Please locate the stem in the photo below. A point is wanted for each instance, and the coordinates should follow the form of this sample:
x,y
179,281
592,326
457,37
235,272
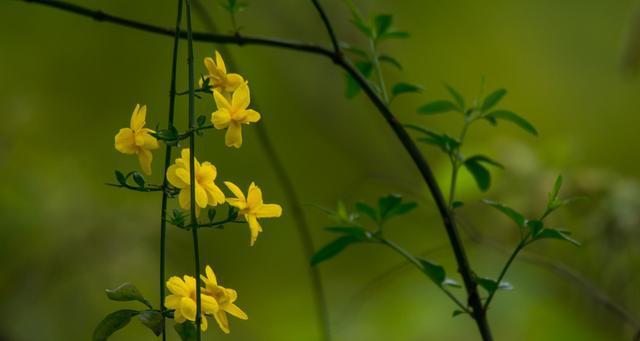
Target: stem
x,y
413,260
506,266
376,65
192,177
322,310
455,163
409,145
167,163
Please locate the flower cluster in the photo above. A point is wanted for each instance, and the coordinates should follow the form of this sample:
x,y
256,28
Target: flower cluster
x,y
137,139
215,300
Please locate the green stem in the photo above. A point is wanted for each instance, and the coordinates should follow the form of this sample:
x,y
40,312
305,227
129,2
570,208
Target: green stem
x,y
192,177
456,163
503,272
376,65
167,163
413,260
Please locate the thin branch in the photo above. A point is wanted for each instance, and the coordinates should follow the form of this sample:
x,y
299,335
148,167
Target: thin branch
x,y
328,26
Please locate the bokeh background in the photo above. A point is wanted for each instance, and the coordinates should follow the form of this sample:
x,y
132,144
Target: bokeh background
x,y
67,84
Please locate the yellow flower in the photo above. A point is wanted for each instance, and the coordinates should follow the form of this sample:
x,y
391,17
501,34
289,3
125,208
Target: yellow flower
x,y
225,298
137,139
218,77
232,115
252,207
183,300
207,192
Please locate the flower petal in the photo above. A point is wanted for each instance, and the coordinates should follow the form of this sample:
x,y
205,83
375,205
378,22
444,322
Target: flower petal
x,y
235,311
184,199
254,196
214,194
207,173
209,304
254,227
251,116
145,157
173,178
125,141
204,324
233,137
221,101
234,81
138,117
201,196
211,276
210,65
268,211
241,98
220,63
221,318
188,308
221,118
235,190
177,286
172,301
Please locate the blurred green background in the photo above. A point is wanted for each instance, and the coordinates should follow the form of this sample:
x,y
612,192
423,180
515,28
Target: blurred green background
x,y
67,84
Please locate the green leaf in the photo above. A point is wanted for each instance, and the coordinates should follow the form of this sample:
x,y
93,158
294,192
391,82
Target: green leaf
x,y
553,195
479,173
387,203
457,204
434,271
493,99
513,118
437,107
457,312
167,134
153,320
508,211
127,292
332,249
491,285
112,323
485,159
390,60
201,120
534,225
403,88
394,34
353,88
382,24
138,179
368,211
120,177
211,213
556,234
356,232
401,209
456,96
187,331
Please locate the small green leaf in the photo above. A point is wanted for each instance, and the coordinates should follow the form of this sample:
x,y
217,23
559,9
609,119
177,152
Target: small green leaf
x,y
167,134
485,159
353,88
434,271
127,292
387,203
332,249
456,96
153,320
508,211
394,34
201,120
513,118
138,179
437,107
556,234
403,88
479,173
457,312
368,211
493,99
401,209
382,24
120,177
187,331
534,225
356,232
491,285
390,60
457,204
553,195
112,323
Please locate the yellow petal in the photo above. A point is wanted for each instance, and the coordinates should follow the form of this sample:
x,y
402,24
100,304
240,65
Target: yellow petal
x,y
220,63
235,311
204,324
211,66
268,211
138,117
125,141
145,140
173,178
214,194
211,276
201,196
231,294
235,190
172,301
220,118
145,157
251,116
241,98
184,174
188,308
221,101
177,286
233,137
184,199
221,318
254,227
178,317
254,196
207,173
234,81
209,304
